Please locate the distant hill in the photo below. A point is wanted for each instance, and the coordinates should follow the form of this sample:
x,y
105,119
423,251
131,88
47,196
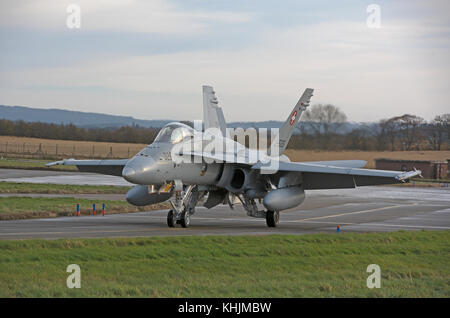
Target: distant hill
x,y
80,119
99,120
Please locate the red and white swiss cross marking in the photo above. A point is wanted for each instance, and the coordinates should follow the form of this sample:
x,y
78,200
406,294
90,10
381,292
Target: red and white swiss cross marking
x,y
294,115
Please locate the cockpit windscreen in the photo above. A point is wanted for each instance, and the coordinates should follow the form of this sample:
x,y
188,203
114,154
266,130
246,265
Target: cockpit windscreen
x,y
174,134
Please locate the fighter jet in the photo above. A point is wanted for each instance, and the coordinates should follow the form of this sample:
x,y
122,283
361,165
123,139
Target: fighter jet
x,y
182,167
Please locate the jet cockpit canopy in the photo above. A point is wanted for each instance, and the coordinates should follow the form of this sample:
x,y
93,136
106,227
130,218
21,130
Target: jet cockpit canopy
x,y
174,133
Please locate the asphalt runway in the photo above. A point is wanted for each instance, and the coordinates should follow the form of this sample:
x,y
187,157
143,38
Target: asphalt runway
x,y
365,209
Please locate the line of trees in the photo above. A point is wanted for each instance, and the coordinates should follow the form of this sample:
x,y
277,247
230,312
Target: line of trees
x,y
126,134
323,127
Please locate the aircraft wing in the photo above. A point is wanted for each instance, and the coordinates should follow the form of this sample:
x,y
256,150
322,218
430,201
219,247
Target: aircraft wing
x,y
339,163
251,157
112,167
319,176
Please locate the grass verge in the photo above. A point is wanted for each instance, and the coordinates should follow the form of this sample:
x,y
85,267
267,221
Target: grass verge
x,y
12,208
413,264
24,187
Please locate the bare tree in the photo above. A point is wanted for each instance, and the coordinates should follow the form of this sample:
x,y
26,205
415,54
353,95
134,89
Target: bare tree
x,y
325,119
439,130
409,130
324,122
388,133
444,122
358,138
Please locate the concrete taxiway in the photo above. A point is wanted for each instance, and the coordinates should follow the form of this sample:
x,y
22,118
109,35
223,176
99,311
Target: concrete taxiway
x,y
364,209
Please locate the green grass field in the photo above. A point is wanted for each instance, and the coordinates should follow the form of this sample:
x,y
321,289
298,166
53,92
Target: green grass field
x,y
413,264
17,187
25,207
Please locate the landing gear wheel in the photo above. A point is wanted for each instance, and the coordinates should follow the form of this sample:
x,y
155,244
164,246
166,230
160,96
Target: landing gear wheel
x,y
272,218
170,219
185,220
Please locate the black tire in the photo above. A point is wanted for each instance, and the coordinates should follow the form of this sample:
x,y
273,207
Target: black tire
x,y
185,220
272,218
170,219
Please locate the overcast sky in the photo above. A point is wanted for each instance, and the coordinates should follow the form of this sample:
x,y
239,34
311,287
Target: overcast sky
x,y
148,59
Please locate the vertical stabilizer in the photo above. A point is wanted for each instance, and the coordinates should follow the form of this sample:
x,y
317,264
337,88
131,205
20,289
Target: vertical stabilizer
x,y
212,113
289,126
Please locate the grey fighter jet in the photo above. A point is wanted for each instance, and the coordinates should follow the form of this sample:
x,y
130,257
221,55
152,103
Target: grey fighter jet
x,y
204,165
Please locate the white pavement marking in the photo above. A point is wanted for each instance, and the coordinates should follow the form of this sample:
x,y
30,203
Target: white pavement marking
x,y
356,212
443,211
380,224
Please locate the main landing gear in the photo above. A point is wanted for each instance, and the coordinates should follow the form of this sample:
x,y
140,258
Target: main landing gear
x,y
272,217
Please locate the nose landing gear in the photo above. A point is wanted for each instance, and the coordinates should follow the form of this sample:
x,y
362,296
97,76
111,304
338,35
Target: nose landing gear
x,y
183,206
171,219
184,220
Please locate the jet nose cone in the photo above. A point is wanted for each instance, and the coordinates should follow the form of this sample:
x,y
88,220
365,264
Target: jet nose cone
x,y
128,173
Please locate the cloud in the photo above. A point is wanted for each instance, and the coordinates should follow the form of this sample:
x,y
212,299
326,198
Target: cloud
x,y
146,16
402,67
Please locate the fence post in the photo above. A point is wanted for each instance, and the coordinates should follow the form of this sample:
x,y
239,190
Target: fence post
x,y
110,152
40,151
73,151
23,150
56,151
6,150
